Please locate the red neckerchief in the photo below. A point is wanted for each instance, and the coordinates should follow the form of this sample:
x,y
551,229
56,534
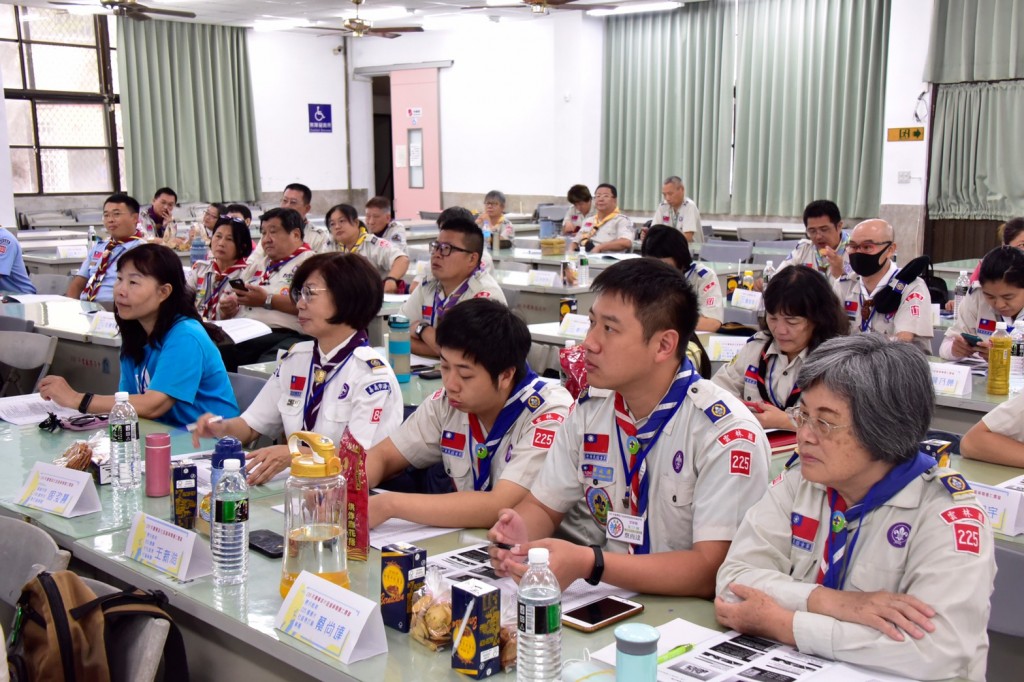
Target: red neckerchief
x,y
278,264
218,281
92,287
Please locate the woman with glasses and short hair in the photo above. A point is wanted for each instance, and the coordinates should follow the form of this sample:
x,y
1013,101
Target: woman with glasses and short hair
x,y
493,218
801,312
334,382
351,236
229,249
866,552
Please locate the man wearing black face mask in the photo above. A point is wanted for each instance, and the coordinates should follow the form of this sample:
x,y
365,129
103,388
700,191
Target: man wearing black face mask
x,y
875,297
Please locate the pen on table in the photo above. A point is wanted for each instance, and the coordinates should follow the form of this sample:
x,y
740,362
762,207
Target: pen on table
x,y
674,652
213,420
503,545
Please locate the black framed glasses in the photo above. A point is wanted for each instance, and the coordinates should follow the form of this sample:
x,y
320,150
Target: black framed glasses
x,y
867,247
445,249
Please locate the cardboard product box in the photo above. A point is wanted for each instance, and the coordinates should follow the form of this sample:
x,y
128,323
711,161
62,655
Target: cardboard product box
x,y
476,613
402,569
939,449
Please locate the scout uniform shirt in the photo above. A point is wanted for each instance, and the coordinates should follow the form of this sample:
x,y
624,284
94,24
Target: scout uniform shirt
x,y
91,264
914,314
277,282
1007,418
931,540
437,432
711,432
504,228
615,226
426,303
760,362
576,219
150,230
380,252
363,395
807,254
210,284
13,275
395,233
686,219
976,316
709,292
319,238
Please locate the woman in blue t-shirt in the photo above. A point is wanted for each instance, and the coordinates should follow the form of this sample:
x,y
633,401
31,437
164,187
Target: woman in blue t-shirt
x,y
168,362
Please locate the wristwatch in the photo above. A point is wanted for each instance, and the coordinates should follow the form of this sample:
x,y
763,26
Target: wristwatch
x,y
418,332
269,303
595,575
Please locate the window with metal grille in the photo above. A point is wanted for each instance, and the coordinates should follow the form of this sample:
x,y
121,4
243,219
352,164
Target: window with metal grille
x,y
62,98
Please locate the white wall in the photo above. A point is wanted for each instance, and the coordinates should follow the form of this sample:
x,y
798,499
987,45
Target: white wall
x,y
290,71
7,217
909,26
505,119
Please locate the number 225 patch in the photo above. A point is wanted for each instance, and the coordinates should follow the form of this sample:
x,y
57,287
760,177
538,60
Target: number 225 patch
x,y
543,438
967,538
739,463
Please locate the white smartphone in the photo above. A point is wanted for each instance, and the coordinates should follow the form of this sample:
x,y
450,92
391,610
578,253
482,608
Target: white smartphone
x,y
601,613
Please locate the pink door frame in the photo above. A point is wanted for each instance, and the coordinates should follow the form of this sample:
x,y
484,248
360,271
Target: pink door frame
x,y
415,106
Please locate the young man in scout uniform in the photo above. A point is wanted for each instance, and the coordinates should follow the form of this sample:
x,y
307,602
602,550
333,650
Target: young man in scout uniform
x,y
94,281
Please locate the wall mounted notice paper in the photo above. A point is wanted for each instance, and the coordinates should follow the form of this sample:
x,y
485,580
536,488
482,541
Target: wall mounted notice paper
x,y
59,490
168,548
331,619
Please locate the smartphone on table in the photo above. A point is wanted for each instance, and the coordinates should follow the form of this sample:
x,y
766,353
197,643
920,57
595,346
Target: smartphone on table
x,y
601,613
267,542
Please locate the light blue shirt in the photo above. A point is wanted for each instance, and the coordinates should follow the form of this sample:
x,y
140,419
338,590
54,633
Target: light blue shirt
x,y
187,367
92,262
13,276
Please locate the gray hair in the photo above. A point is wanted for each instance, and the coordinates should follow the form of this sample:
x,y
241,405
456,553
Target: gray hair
x,y
673,180
888,386
495,195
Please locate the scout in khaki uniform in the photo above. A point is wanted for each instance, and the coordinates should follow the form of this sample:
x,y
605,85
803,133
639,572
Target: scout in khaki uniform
x,y
608,230
678,211
581,208
1000,296
867,552
491,425
380,221
655,468
825,246
350,236
999,436
669,245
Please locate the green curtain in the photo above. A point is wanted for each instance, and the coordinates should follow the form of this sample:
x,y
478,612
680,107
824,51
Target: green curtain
x,y
976,40
810,97
187,110
668,104
977,159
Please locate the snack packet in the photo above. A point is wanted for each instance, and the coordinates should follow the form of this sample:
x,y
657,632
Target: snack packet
x,y
508,641
353,468
432,611
573,361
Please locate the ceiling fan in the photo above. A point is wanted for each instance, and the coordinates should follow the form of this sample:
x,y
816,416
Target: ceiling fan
x,y
359,28
541,6
130,9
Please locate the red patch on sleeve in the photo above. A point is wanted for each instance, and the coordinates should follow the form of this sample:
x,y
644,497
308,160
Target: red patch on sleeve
x,y
548,417
375,419
483,294
967,538
739,463
954,514
543,438
737,434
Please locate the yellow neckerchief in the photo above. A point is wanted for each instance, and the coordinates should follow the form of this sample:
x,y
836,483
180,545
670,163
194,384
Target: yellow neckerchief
x,y
599,223
363,234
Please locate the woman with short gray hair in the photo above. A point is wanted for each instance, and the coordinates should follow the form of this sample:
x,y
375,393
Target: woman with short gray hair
x,y
493,218
860,553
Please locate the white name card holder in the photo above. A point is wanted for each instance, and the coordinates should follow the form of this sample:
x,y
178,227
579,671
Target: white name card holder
x,y
725,348
168,548
59,490
951,379
104,324
1004,505
542,278
574,325
331,619
73,251
746,299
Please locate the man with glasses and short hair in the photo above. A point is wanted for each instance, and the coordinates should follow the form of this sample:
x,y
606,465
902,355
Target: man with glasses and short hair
x,y
158,218
455,276
95,279
608,230
678,210
381,223
825,246
871,249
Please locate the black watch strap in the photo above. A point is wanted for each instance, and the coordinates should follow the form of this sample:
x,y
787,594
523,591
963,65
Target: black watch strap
x,y
595,575
83,406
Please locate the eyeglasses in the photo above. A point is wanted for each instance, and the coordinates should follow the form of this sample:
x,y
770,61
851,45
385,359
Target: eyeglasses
x,y
815,231
492,203
306,293
867,247
445,249
818,426
114,215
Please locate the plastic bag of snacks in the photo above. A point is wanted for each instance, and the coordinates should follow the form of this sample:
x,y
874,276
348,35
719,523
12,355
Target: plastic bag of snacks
x,y
573,361
432,611
353,468
508,637
83,453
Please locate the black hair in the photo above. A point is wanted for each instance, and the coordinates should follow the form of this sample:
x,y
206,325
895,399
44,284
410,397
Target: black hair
x,y
1011,229
578,193
240,235
380,203
487,333
474,235
239,208
122,198
219,207
659,293
163,265
663,241
454,212
307,193
823,207
799,291
1003,264
350,213
290,219
615,192
355,285
165,190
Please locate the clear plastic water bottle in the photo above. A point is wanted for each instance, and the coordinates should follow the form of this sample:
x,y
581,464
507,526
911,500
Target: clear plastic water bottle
x,y
1017,358
399,347
487,237
539,655
769,271
963,285
91,233
583,276
125,470
198,250
229,527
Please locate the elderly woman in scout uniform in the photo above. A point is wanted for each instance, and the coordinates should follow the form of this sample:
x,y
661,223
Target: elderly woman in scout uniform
x,y
230,246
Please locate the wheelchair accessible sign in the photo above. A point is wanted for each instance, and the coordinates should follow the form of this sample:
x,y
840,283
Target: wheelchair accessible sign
x,y
320,118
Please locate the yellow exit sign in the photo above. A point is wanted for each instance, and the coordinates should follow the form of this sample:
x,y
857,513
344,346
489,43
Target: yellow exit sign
x,y
906,134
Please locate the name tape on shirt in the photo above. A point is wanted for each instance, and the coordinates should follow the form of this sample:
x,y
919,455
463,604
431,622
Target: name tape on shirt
x,y
737,434
549,417
378,386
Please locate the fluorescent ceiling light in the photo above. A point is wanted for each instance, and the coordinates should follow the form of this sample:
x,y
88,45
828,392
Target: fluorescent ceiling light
x,y
378,13
635,9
